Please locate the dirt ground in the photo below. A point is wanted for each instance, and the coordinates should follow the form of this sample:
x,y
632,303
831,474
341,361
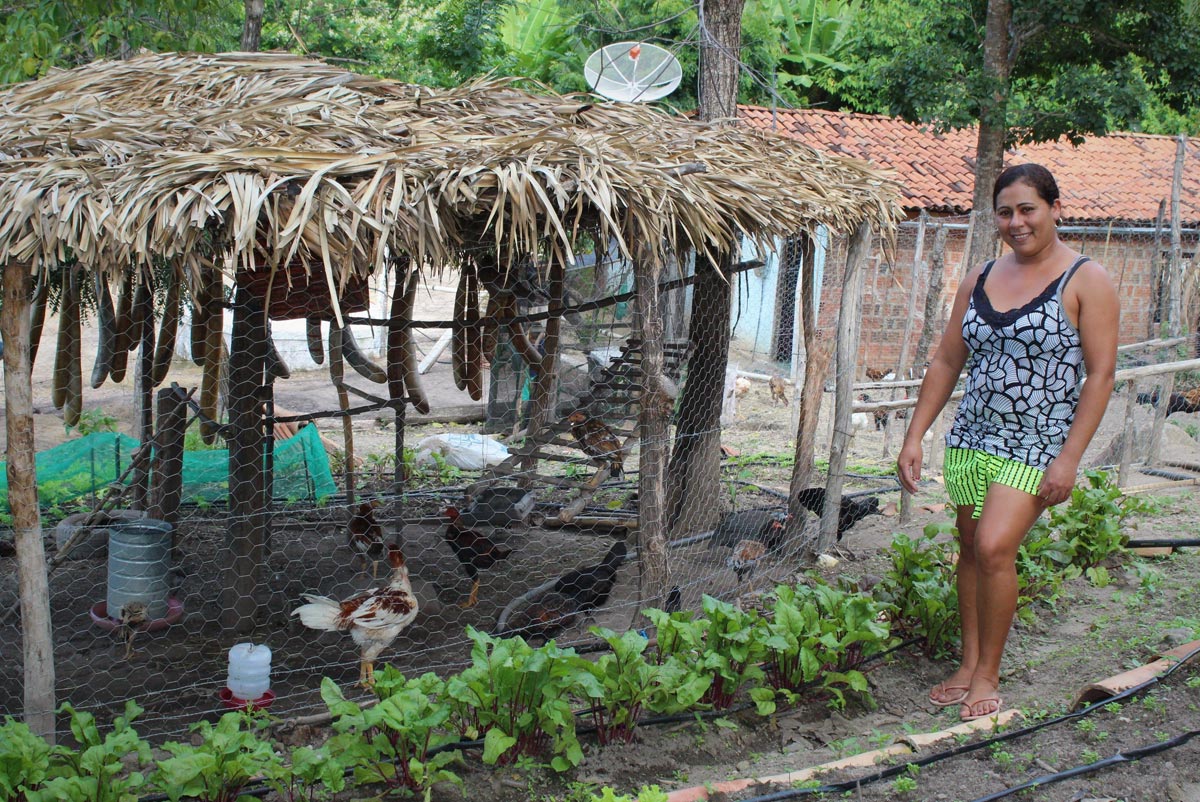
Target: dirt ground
x,y
1093,633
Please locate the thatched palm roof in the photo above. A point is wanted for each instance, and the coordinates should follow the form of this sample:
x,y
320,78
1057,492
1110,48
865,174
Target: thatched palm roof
x,y
244,158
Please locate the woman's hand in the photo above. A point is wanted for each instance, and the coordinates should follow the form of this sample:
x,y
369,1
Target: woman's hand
x,y
908,465
1057,482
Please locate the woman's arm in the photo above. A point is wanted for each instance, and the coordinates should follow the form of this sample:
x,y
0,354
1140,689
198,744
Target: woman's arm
x,y
1098,322
940,378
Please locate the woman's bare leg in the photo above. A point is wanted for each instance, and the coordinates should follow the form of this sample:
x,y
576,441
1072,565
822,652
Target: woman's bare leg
x,y
1008,514
951,687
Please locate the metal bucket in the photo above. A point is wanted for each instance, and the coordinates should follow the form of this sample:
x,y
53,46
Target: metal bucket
x,y
139,555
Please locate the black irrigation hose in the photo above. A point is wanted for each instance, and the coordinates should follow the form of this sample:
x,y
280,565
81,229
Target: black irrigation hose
x,y
1141,542
885,774
1128,756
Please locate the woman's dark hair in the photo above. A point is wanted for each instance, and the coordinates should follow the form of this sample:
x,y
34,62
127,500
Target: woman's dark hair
x,y
1035,175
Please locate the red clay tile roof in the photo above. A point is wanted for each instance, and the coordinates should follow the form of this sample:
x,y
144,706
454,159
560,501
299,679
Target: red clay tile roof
x,y
1120,176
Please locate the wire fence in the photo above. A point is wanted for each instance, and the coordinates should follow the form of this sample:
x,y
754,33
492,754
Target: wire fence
x,y
453,496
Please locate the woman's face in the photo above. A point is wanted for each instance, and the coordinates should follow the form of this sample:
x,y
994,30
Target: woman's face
x,y
1026,222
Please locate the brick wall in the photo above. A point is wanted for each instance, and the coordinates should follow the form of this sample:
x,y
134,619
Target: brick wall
x,y
888,277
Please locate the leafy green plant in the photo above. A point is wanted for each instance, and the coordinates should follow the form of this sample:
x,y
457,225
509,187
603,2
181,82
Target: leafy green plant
x,y
920,589
390,742
621,683
228,756
647,793
820,635
724,646
94,420
24,760
96,771
1094,520
517,699
310,775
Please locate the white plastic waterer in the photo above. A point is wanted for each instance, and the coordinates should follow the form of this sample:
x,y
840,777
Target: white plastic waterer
x,y
249,671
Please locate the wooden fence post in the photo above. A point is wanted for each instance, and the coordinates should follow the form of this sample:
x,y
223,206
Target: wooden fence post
x,y
32,579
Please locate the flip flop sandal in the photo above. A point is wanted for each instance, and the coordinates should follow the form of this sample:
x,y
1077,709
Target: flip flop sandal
x,y
986,701
948,701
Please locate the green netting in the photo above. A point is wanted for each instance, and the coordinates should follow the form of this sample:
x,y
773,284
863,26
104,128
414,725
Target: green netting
x,y
81,467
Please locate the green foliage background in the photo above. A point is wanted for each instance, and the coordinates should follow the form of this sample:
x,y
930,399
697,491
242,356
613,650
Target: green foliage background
x,y
1081,66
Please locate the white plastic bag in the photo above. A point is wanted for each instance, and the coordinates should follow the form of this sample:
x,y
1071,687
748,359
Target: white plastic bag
x,y
467,451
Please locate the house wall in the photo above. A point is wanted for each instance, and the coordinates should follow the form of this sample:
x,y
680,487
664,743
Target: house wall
x,y
885,308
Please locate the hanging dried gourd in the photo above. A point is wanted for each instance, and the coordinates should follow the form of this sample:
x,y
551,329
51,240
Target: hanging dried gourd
x,y
357,359
316,345
37,315
106,323
458,333
473,362
164,351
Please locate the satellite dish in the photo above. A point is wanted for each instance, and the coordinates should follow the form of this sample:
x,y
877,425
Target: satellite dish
x,y
633,71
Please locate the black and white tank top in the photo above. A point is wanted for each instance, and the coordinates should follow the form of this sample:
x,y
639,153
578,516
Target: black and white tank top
x,y
1023,376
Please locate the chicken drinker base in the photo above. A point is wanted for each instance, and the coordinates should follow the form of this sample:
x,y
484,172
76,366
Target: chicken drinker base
x,y
101,618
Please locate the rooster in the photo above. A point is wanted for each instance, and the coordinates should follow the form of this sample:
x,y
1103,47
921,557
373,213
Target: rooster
x,y
373,618
474,550
133,618
778,390
365,535
597,440
1188,401
574,594
852,509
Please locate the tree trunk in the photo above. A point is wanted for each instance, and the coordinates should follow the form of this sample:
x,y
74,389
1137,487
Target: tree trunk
x,y
1175,305
989,147
849,327
720,47
32,579
817,357
695,469
252,27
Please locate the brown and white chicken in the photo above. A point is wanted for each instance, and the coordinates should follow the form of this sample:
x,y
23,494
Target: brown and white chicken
x,y
365,535
597,440
134,616
373,618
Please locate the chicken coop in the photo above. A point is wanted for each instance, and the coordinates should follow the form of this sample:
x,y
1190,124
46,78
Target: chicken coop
x,y
556,261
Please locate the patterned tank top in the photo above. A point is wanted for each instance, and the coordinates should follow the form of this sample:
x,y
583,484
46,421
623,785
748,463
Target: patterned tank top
x,y
1023,376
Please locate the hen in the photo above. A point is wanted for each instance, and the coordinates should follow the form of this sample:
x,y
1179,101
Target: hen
x,y
852,509
1188,401
574,594
365,535
133,617
765,526
373,618
778,390
597,440
496,506
474,550
744,558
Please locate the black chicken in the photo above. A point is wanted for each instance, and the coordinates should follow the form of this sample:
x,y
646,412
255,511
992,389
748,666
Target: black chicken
x,y
1188,401
853,508
575,593
497,506
474,550
765,526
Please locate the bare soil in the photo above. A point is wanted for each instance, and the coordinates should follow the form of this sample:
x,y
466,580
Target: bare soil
x,y
1093,633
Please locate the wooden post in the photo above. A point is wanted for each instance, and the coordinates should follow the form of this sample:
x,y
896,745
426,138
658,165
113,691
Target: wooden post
x,y
139,491
1127,438
32,580
1160,418
914,284
1156,269
655,577
168,458
849,328
1175,308
246,540
799,351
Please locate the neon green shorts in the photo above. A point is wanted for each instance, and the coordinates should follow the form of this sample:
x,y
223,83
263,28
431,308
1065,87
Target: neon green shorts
x,y
969,473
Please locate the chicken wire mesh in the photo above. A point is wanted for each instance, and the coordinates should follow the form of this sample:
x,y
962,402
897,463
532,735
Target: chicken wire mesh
x,y
543,539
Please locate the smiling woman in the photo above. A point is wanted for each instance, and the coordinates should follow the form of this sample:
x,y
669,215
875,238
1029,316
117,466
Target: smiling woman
x,y
1030,323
